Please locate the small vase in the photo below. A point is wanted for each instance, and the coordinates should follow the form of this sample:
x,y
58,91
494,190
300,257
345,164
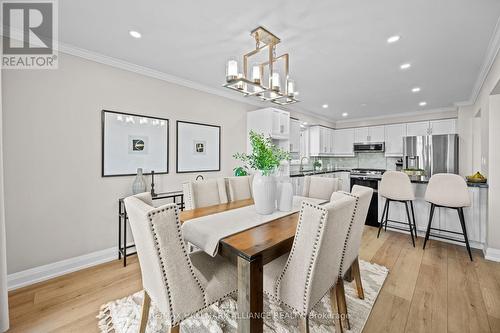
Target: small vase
x,y
139,185
264,193
285,200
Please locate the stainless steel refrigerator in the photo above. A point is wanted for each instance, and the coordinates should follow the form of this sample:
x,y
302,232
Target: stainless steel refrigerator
x,y
432,153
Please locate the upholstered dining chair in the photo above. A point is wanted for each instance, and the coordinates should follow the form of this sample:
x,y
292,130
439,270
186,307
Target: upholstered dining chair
x,y
203,193
319,187
180,284
350,261
300,279
239,188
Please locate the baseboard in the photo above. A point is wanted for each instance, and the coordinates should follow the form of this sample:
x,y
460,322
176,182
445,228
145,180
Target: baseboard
x,y
49,271
492,254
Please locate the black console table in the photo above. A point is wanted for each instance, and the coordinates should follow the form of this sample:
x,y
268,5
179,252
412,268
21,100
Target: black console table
x,y
175,197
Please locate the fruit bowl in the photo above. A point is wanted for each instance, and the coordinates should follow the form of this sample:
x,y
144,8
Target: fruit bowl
x,y
476,180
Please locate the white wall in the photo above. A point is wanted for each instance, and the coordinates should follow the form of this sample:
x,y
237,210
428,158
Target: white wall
x,y
57,204
4,308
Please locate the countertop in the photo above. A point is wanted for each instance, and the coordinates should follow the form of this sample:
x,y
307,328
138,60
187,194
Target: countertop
x,y
414,179
320,172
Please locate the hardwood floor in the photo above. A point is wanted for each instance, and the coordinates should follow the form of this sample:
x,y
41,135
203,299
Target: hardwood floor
x,y
436,290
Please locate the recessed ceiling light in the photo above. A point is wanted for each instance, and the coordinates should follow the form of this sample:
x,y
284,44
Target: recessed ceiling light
x,y
304,123
345,114
324,106
415,90
405,66
135,34
393,39
422,103
363,105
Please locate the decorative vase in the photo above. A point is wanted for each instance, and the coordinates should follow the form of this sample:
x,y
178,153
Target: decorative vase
x,y
264,193
139,185
285,200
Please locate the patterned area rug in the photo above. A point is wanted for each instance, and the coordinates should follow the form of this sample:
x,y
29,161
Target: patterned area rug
x,y
122,316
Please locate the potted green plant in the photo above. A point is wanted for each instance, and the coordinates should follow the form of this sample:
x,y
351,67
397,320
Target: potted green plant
x,y
264,159
240,171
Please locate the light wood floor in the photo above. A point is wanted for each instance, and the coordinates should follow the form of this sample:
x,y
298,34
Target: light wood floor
x,y
436,290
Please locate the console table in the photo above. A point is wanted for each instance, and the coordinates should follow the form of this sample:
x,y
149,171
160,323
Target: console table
x,y
174,197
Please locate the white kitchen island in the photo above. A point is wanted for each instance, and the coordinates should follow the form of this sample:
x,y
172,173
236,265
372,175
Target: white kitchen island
x,y
444,218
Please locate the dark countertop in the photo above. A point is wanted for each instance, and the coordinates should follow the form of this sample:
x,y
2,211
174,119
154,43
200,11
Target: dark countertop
x,y
425,180
312,172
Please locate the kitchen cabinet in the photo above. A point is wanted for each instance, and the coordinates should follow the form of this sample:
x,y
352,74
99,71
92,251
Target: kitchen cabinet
x,y
294,136
272,123
369,134
445,126
343,141
417,129
433,127
321,141
394,140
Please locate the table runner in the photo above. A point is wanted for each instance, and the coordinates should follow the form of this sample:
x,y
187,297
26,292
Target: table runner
x,y
206,232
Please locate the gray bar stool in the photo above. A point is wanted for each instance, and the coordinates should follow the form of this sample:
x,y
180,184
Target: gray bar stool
x,y
396,186
447,190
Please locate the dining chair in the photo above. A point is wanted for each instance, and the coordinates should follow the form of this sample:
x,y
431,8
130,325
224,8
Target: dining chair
x,y
301,278
350,261
239,188
395,186
447,190
180,284
203,193
319,187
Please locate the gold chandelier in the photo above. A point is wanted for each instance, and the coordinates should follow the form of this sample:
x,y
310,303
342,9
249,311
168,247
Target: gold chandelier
x,y
263,71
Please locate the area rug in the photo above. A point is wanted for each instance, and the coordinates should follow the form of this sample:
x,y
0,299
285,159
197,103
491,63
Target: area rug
x,y
123,315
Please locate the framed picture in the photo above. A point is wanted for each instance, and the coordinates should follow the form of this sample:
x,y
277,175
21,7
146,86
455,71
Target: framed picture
x,y
198,147
131,141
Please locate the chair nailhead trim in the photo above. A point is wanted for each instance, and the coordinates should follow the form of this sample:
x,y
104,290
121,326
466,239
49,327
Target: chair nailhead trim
x,y
348,232
162,256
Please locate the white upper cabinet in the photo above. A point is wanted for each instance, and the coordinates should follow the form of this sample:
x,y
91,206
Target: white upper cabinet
x,y
270,122
394,139
369,134
343,142
376,134
294,136
446,126
417,129
321,141
433,127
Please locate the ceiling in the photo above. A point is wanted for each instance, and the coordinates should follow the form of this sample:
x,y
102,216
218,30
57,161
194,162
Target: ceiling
x,y
338,49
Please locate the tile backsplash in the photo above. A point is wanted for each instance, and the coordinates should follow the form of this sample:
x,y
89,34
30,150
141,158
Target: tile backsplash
x,y
361,160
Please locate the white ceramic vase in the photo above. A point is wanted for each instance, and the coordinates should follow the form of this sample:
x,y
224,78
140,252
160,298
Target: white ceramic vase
x,y
285,200
139,184
264,193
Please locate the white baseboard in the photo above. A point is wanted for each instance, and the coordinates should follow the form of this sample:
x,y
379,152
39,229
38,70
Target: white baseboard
x,y
49,271
492,254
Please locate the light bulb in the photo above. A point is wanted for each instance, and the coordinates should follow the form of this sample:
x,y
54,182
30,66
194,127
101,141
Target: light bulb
x,y
290,88
256,74
276,82
231,70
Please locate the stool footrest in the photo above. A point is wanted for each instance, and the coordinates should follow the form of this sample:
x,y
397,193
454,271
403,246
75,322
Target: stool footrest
x,y
448,238
451,232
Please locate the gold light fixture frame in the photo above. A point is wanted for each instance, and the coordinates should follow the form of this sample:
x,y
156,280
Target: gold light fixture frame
x,y
264,39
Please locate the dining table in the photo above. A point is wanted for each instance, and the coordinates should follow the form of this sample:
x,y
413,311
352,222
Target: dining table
x,y
250,250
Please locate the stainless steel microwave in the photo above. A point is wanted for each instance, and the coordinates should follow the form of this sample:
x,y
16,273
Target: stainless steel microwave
x,y
375,147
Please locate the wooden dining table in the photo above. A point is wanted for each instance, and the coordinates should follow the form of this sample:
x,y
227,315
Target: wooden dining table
x,y
251,249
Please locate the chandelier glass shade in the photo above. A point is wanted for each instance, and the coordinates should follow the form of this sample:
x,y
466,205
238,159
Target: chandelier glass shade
x,y
263,79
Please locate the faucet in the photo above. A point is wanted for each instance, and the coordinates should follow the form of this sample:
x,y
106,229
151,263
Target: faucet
x,y
301,164
199,176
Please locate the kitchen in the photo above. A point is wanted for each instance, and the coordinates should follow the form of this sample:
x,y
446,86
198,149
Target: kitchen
x,y
361,155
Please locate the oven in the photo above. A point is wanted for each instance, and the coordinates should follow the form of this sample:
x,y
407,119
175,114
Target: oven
x,y
369,178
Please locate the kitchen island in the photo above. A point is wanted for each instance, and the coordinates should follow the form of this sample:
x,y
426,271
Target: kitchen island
x,y
342,174
444,218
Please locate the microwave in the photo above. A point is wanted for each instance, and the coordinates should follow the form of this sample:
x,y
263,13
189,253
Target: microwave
x,y
377,147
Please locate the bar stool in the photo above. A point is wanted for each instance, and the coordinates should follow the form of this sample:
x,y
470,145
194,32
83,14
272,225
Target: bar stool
x,y
447,190
396,186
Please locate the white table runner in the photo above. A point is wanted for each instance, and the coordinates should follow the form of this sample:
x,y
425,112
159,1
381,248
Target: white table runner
x,y
206,232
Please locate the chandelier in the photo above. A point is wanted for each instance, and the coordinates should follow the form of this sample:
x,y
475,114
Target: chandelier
x,y
266,70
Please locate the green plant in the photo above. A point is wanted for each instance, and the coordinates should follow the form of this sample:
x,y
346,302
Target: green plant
x,y
240,171
317,164
265,156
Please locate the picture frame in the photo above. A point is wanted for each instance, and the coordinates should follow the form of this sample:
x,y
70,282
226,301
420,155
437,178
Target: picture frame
x,y
198,147
130,141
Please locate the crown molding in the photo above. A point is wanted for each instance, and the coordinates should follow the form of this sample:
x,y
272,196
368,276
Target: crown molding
x,y
402,114
491,54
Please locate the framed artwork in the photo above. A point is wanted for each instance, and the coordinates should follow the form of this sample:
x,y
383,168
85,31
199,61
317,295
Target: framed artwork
x,y
198,147
131,141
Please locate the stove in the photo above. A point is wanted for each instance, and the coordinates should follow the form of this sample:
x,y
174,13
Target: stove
x,y
369,178
361,173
